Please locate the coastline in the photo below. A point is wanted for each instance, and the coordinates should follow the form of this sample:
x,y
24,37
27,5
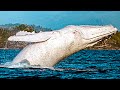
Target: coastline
x,y
83,49
9,48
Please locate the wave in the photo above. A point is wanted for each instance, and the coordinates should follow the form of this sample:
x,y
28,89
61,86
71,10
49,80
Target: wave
x,y
28,66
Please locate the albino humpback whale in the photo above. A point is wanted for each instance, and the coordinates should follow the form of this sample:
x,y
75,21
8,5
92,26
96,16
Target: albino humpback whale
x,y
48,48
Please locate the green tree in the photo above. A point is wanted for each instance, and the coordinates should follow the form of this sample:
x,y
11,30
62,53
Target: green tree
x,y
24,27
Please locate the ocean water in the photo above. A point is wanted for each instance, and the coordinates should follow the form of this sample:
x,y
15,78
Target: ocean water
x,y
85,64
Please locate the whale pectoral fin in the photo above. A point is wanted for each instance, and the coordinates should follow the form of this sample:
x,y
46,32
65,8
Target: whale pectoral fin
x,y
38,37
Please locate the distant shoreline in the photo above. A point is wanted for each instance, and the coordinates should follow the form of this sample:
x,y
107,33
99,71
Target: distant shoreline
x,y
9,48
80,50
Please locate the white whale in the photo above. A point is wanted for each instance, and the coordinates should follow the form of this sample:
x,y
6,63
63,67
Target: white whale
x,y
48,48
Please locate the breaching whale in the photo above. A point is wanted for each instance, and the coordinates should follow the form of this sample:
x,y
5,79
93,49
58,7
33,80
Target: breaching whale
x,y
48,48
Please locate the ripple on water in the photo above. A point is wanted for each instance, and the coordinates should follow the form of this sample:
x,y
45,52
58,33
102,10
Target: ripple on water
x,y
85,64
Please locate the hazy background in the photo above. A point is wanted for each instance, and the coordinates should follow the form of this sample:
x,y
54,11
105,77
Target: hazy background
x,y
59,19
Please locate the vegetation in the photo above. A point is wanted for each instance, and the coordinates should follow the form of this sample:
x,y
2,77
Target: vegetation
x,y
11,29
4,34
110,42
115,40
24,27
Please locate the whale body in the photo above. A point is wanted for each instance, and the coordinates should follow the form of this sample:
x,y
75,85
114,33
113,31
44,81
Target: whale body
x,y
48,48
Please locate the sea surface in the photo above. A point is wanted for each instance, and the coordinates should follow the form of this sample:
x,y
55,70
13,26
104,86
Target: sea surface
x,y
85,64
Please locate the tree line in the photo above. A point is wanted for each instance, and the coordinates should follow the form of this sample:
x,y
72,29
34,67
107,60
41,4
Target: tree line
x,y
6,32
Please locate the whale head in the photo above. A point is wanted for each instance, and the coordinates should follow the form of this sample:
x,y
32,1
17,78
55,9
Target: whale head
x,y
91,35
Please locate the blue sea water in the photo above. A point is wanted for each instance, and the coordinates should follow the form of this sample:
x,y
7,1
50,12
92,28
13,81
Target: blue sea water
x,y
85,64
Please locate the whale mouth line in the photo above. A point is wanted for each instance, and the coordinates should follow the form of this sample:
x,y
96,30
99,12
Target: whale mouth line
x,y
99,35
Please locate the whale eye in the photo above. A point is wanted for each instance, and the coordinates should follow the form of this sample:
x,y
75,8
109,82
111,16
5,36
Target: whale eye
x,y
74,32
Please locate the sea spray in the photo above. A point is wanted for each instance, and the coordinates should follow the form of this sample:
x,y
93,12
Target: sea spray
x,y
6,43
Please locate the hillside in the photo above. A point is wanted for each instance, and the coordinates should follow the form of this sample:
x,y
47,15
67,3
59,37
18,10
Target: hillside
x,y
11,29
110,42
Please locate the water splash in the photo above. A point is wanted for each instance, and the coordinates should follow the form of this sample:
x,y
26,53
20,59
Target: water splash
x,y
6,43
25,65
18,65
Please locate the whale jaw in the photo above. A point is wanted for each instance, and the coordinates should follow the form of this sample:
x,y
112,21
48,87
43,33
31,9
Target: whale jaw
x,y
92,35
